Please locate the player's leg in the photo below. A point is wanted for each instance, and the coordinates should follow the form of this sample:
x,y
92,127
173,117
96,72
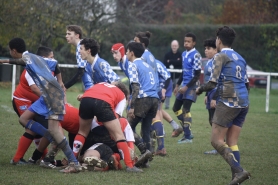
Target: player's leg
x,y
187,121
222,117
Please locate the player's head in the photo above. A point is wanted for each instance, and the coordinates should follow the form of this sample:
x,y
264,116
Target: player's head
x,y
123,88
189,41
73,34
17,46
88,47
225,36
210,47
45,52
143,37
174,46
118,51
134,50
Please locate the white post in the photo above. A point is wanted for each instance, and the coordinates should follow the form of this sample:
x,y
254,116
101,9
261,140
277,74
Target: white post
x,y
267,93
13,80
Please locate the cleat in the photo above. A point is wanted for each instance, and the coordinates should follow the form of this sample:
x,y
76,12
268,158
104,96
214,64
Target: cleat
x,y
33,162
184,140
143,157
113,163
73,168
211,152
177,132
134,169
146,164
49,165
161,152
95,161
20,162
240,177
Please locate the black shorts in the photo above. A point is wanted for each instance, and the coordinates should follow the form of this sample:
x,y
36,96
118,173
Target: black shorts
x,y
104,151
90,107
146,106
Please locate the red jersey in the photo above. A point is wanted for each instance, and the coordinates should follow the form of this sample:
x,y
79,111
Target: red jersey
x,y
71,119
23,91
108,93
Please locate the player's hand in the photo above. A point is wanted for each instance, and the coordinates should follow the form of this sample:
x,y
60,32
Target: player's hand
x,y
176,90
182,90
2,61
206,100
131,113
213,104
79,97
197,91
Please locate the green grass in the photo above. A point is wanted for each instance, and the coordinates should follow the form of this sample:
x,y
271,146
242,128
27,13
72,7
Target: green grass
x,y
184,164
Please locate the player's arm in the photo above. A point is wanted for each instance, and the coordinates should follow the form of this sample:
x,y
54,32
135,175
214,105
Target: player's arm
x,y
78,75
135,92
217,66
58,75
134,82
19,61
197,70
32,84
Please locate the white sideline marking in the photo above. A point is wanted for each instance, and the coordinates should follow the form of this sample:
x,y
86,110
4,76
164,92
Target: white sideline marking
x,y
8,109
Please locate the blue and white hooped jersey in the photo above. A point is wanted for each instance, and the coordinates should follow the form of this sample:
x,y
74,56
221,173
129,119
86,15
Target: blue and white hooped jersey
x,y
124,65
207,70
80,63
229,71
163,73
99,71
191,61
142,73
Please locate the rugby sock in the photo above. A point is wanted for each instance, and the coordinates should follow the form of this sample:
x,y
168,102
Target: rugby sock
x,y
187,120
179,115
64,145
174,124
39,129
229,157
139,143
78,142
23,145
123,149
158,128
236,153
37,155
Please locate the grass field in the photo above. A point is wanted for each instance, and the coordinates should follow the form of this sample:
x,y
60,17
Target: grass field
x,y
184,164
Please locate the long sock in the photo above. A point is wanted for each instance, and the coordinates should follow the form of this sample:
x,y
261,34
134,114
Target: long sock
x,y
23,145
37,155
187,120
123,149
174,124
229,157
39,129
139,143
158,128
78,142
37,142
64,145
236,153
179,115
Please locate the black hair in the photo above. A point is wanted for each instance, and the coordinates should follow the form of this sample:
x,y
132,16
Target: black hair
x,y
44,51
192,35
76,29
91,44
210,43
227,35
18,44
123,88
144,37
137,48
